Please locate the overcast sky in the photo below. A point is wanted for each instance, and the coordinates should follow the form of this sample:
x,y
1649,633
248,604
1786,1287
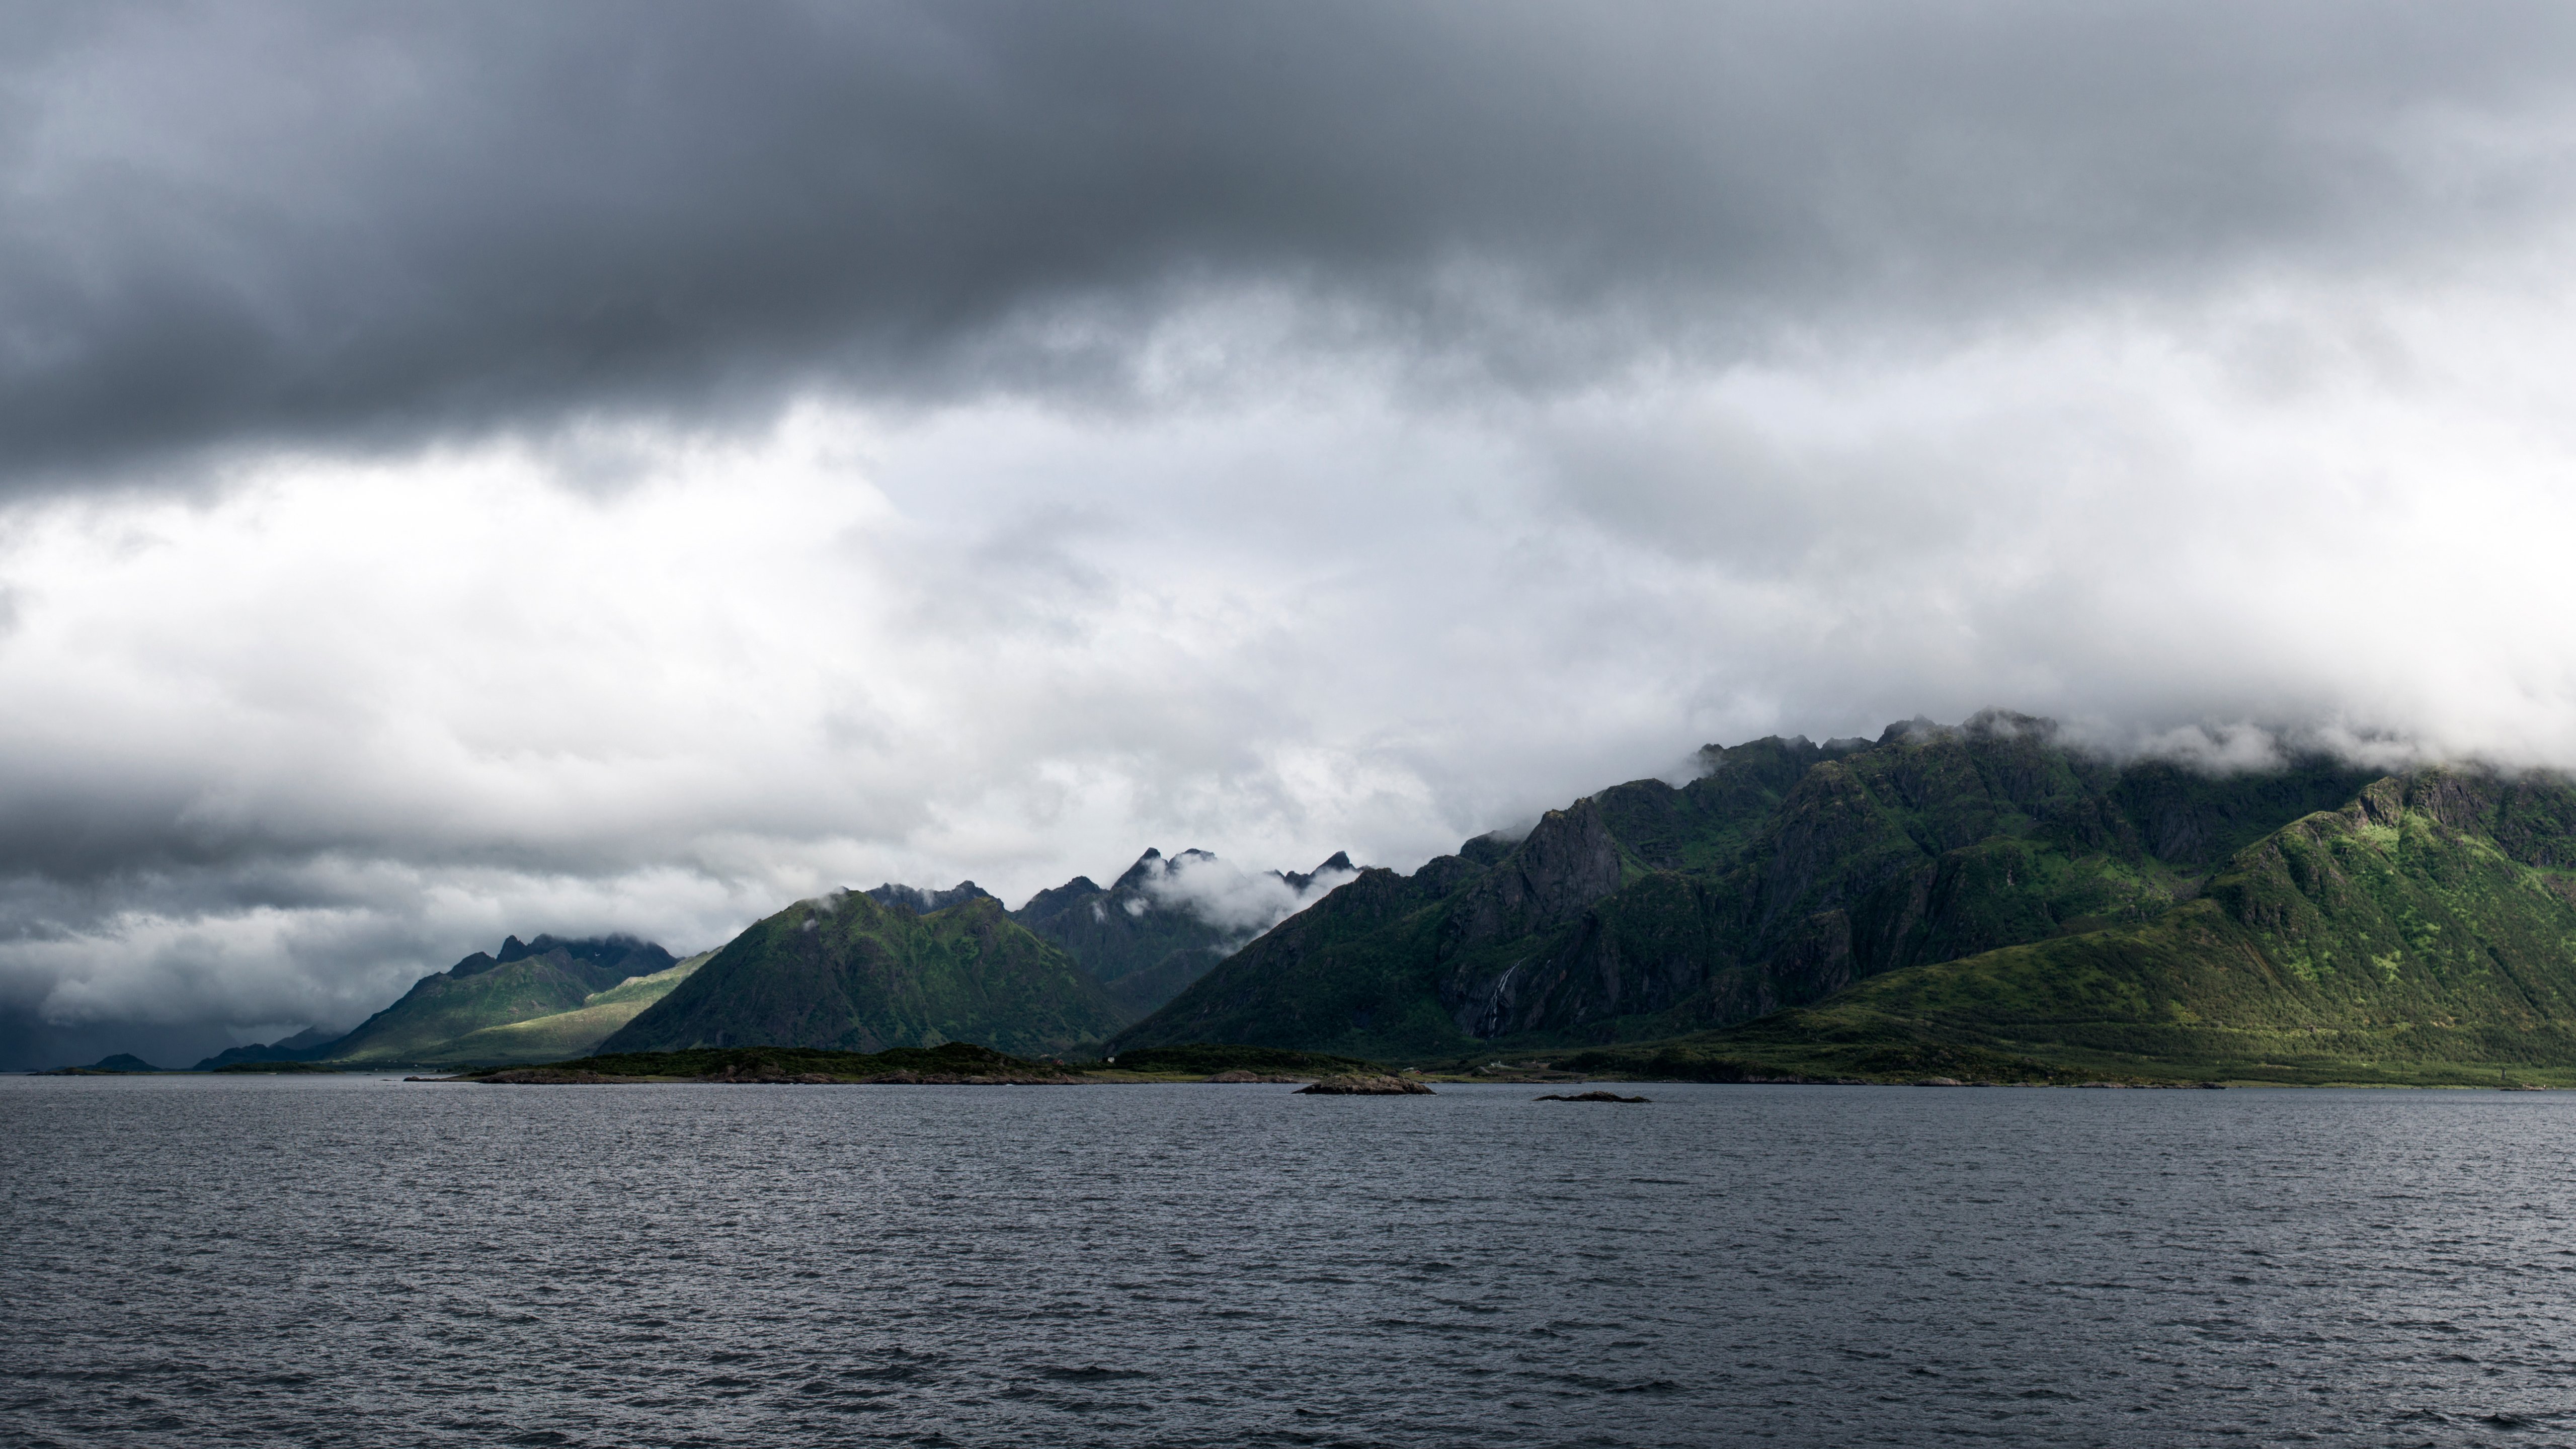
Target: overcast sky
x,y
571,467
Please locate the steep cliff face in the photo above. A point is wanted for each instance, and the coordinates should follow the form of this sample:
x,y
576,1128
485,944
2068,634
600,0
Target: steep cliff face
x,y
1567,862
1788,871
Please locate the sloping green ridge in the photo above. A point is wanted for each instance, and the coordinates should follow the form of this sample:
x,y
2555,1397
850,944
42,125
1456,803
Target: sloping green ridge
x,y
440,1009
848,973
542,978
1787,872
568,1033
2425,933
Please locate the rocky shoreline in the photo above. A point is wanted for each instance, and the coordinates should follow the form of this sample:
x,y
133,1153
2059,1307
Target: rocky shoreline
x,y
555,1077
1358,1084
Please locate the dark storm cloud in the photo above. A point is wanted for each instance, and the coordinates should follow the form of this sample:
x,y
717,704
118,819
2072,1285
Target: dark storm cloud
x,y
251,224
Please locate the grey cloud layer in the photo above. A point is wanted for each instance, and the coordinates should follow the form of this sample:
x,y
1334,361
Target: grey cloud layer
x,y
243,223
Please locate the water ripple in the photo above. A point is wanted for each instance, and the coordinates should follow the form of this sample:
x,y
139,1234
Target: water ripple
x,y
348,1261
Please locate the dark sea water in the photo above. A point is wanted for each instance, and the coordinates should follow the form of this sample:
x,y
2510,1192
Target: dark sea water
x,y
344,1261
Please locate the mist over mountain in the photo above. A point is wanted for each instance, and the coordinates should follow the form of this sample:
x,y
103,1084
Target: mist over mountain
x,y
1167,920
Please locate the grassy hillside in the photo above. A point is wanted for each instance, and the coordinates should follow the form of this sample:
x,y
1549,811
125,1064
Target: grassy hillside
x,y
527,980
1787,872
2424,933
439,1009
567,1033
848,973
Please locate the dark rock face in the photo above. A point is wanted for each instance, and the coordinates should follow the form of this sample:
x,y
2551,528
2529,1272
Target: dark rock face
x,y
1138,993
1300,880
614,958
605,959
922,901
1563,866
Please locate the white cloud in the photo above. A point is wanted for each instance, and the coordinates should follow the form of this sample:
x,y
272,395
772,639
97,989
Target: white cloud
x,y
1227,896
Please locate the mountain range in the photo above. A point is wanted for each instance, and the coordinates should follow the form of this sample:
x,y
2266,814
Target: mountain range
x,y
1142,938
1785,871
532,1000
2423,932
1984,897
1129,948
850,973
902,966
1987,900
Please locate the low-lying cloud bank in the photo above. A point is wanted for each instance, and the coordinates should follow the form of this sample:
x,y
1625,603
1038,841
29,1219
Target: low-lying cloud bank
x,y
626,471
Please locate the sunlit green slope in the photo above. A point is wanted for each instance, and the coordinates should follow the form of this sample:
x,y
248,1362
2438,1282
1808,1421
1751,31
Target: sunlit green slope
x,y
2426,932
568,1033
526,980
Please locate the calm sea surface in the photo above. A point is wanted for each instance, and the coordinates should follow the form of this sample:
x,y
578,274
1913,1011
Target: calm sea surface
x,y
353,1261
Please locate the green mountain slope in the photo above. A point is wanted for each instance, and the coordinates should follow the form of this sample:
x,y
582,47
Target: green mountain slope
x,y
1787,872
851,973
310,1044
2425,932
1145,938
1144,949
526,980
568,1033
